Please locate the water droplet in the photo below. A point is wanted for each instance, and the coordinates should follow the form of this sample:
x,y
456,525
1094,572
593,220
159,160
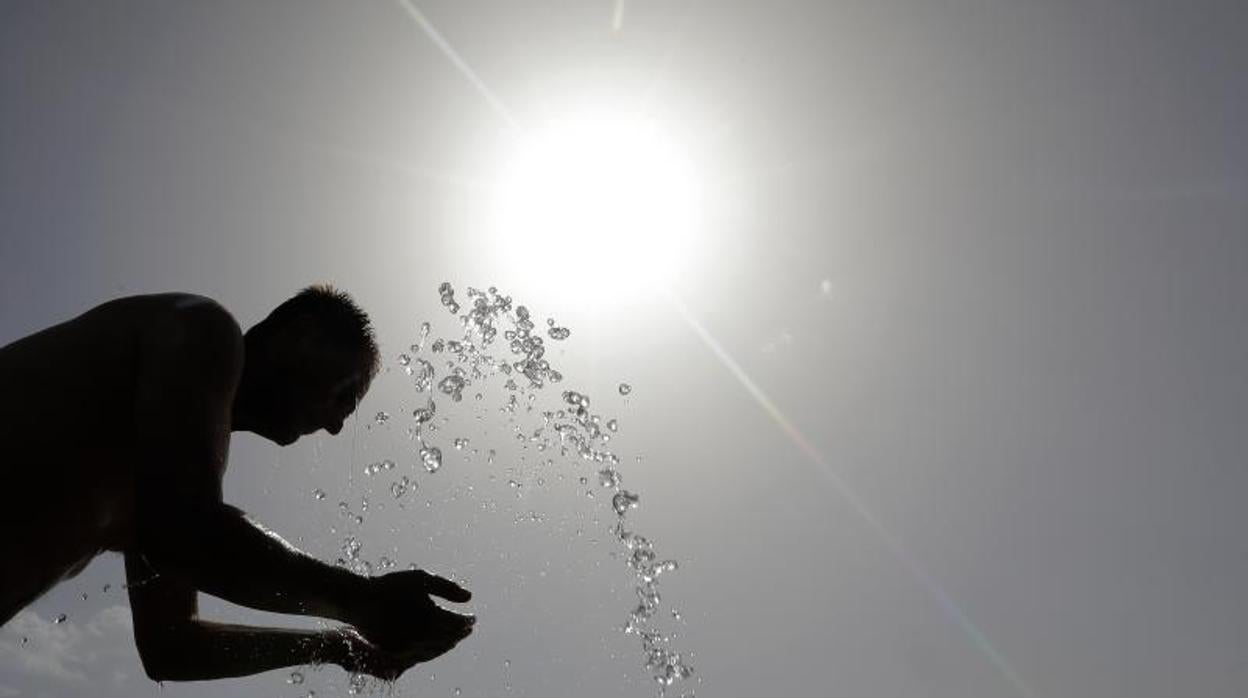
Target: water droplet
x,y
609,478
447,294
381,418
426,413
351,548
460,444
574,398
405,361
295,678
61,619
453,385
666,566
625,388
431,456
559,333
422,375
623,501
613,425
318,494
400,487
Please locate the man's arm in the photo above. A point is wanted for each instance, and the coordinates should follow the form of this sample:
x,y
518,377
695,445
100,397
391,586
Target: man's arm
x,y
175,645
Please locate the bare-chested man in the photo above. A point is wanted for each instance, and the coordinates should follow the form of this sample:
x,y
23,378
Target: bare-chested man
x,y
116,427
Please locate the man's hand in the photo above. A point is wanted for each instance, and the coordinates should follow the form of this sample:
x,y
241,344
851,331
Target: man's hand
x,y
398,615
359,656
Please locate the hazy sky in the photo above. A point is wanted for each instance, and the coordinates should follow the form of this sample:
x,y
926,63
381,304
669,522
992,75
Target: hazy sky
x,y
967,413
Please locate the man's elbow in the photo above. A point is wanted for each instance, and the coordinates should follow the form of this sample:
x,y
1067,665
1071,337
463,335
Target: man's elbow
x,y
157,667
165,653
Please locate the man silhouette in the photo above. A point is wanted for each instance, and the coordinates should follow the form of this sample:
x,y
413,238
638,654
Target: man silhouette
x,y
117,426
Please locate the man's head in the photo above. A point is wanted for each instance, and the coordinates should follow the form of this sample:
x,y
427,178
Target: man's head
x,y
307,365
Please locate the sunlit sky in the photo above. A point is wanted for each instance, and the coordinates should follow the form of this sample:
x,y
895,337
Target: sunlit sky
x,y
934,313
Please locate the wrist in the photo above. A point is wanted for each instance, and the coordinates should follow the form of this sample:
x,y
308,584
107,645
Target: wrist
x,y
352,597
331,647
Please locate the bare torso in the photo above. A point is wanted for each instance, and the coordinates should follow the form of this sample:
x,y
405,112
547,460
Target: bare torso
x,y
69,431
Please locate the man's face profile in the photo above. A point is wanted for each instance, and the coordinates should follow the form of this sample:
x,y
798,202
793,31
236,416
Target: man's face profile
x,y
302,383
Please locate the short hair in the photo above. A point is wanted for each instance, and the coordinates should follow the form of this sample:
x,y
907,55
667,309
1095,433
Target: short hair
x,y
337,315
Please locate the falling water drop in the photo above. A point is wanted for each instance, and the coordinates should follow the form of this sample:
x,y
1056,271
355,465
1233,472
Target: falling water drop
x,y
431,457
623,501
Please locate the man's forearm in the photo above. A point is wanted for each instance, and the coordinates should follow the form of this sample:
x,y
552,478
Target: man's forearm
x,y
200,650
224,553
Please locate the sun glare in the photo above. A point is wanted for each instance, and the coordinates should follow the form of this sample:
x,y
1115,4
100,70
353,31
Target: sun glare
x,y
606,203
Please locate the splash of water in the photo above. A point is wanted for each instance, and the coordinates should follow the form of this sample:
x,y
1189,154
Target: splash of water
x,y
570,428
501,342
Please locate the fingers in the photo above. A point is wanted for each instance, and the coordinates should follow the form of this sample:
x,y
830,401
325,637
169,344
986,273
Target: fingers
x,y
445,588
388,664
429,647
452,625
466,624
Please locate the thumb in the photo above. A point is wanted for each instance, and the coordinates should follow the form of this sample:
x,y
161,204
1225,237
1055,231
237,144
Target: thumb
x,y
445,588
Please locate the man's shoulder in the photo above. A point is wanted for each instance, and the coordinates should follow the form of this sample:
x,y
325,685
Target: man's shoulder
x,y
188,310
181,322
201,312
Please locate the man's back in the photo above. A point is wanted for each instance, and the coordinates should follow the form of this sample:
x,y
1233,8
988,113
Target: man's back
x,y
68,428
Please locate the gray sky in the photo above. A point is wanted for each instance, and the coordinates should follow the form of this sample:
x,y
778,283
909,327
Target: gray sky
x,y
987,261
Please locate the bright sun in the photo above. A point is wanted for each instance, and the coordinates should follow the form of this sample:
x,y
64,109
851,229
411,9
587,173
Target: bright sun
x,y
603,202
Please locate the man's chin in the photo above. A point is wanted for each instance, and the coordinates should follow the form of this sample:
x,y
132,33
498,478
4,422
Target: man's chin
x,y
284,438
